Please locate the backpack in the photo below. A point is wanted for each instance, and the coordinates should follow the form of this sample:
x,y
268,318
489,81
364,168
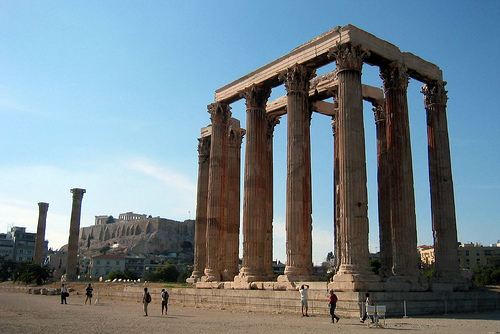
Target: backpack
x,y
148,298
164,295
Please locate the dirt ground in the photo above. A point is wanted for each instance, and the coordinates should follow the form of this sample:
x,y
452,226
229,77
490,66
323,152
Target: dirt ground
x,y
27,313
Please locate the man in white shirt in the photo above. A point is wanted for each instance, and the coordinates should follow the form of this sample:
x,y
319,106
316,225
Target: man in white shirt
x,y
303,298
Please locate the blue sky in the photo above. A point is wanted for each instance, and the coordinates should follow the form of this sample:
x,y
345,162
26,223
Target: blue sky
x,y
110,96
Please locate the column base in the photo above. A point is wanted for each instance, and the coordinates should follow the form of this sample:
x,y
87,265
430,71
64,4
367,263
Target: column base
x,y
211,275
195,277
247,275
356,282
402,283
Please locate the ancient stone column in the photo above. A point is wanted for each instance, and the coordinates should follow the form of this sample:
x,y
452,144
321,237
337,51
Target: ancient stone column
x,y
384,219
354,272
200,227
444,223
232,259
40,232
74,230
402,197
337,236
255,191
268,248
217,189
298,181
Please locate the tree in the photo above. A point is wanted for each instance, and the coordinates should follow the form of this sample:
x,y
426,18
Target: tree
x,y
329,256
7,267
104,249
375,265
168,273
29,271
110,220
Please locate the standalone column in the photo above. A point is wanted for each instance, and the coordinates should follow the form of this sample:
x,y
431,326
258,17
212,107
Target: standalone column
x,y
354,271
40,232
255,192
384,219
298,181
200,227
337,236
74,230
217,189
402,197
232,259
444,223
268,248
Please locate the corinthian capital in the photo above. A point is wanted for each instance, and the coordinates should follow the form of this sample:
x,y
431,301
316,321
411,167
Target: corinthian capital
x,y
219,112
236,136
204,146
256,96
348,57
395,76
434,93
297,78
379,110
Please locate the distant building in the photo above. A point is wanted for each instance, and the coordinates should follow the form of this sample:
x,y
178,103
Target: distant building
x,y
470,256
19,245
102,265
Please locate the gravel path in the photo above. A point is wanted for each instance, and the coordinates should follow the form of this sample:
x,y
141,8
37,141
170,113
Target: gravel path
x,y
25,313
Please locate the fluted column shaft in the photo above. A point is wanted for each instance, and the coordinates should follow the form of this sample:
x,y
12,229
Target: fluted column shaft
x,y
200,232
384,219
74,230
298,183
337,236
402,197
217,189
232,259
40,232
352,162
255,191
444,223
268,247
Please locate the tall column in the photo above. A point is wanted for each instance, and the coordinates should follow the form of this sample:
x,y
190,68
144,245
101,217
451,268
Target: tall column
x,y
74,230
255,192
337,236
444,223
232,259
200,227
384,219
40,232
298,181
268,248
354,271
217,189
401,193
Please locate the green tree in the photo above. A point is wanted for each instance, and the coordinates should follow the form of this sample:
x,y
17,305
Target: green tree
x,y
115,274
29,271
168,273
375,265
7,267
110,220
329,256
104,249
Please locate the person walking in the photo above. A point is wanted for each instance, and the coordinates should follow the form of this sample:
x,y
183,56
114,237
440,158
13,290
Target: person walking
x,y
146,299
88,294
368,302
164,301
64,294
332,303
303,298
